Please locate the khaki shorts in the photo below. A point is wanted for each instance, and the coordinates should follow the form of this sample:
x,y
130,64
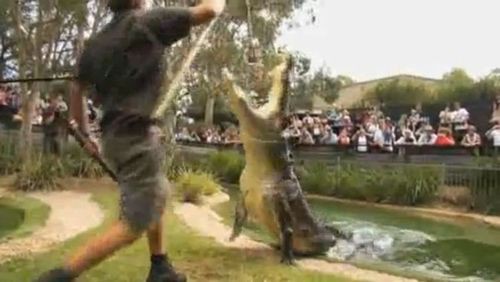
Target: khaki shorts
x,y
138,161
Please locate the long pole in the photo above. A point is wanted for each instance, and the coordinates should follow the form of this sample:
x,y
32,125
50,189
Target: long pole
x,y
171,93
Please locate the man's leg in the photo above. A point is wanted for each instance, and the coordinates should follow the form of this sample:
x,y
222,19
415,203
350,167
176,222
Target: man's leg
x,y
161,267
95,251
155,239
103,246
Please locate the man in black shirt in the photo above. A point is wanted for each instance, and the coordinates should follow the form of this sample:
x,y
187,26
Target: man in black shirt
x,y
122,67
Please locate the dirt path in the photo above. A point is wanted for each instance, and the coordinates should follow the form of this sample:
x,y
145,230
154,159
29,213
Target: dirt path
x,y
205,221
71,214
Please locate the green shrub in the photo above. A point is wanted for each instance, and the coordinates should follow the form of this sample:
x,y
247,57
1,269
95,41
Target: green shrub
x,y
78,164
39,174
351,183
316,178
410,185
413,185
226,165
9,158
192,185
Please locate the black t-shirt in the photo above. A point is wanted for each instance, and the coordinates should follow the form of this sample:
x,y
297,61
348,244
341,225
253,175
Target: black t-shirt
x,y
124,63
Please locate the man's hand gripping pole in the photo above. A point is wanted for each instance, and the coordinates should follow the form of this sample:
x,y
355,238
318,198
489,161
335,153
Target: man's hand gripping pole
x,y
83,140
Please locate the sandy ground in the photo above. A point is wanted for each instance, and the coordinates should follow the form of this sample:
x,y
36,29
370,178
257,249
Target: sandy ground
x,y
71,214
205,221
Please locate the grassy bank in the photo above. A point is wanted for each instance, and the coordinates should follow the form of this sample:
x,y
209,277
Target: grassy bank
x,y
31,213
201,258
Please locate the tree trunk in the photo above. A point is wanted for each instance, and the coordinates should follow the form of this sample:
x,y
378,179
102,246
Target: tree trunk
x,y
26,109
209,110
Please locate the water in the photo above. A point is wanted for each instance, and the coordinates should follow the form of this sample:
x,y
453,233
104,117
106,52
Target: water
x,y
404,243
436,248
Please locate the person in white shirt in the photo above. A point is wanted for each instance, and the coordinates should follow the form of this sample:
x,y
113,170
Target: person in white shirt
x,y
428,137
461,114
378,135
407,139
361,140
329,137
445,116
494,134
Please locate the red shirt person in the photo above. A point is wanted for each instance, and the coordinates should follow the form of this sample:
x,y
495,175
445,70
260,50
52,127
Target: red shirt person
x,y
444,137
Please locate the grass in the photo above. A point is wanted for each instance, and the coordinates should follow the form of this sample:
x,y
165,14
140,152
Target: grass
x,y
31,212
201,258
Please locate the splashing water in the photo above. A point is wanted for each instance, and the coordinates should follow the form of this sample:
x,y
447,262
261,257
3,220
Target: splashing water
x,y
367,240
409,249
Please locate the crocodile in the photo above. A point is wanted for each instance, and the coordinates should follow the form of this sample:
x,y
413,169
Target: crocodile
x,y
271,194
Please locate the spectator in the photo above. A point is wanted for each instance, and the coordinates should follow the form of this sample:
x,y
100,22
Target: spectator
x,y
388,133
316,132
53,127
329,137
461,116
306,137
495,116
414,119
308,121
445,116
361,140
471,139
428,136
494,134
333,115
344,138
184,135
346,118
195,137
231,136
444,137
371,126
407,139
297,122
292,132
378,135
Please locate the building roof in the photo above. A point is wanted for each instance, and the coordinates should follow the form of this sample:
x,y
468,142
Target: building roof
x,y
394,77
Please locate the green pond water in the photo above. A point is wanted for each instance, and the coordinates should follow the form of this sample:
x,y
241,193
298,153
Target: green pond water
x,y
10,219
405,243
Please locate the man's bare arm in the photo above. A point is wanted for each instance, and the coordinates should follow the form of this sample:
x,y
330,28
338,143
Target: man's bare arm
x,y
78,107
207,10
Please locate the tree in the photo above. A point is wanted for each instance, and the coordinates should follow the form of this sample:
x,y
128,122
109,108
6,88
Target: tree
x,y
457,85
320,83
325,86
397,92
250,30
44,32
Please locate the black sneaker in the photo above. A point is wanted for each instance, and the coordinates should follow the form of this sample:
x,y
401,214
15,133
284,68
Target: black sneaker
x,y
56,275
163,271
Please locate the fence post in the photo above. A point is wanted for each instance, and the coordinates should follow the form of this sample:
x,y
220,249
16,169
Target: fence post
x,y
337,166
443,174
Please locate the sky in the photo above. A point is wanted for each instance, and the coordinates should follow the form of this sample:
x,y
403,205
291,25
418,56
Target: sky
x,y
369,39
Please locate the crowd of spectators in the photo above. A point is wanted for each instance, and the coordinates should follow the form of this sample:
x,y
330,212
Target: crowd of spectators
x,y
210,135
10,100
369,129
